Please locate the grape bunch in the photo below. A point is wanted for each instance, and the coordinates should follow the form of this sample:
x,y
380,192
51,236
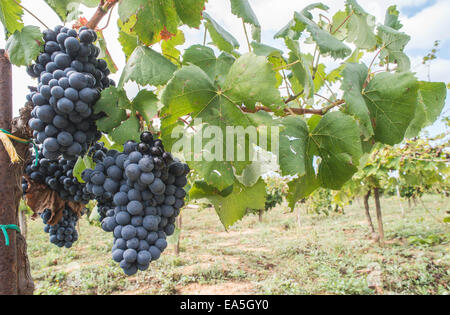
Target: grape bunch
x,y
64,233
146,187
71,79
58,176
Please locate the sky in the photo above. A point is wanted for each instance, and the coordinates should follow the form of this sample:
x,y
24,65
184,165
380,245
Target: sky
x,y
424,20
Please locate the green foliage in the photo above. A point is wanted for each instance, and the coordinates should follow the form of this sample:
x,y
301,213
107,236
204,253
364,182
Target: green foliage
x,y
220,37
68,10
156,20
232,203
147,67
242,9
25,45
11,16
326,118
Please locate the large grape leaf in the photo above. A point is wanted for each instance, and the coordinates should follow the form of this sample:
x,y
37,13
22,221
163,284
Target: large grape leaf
x,y
327,43
331,154
392,100
192,92
205,58
11,15
146,103
251,79
67,10
220,37
242,9
25,45
147,67
430,104
231,207
393,45
360,26
355,75
113,103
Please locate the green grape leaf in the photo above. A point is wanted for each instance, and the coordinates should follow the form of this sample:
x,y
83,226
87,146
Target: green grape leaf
x,y
192,92
127,39
147,67
190,11
24,46
205,58
392,100
113,102
146,103
169,49
289,32
67,10
155,20
392,18
128,130
393,43
327,43
300,70
11,16
233,207
104,53
243,10
360,26
355,75
252,80
431,102
220,37
293,139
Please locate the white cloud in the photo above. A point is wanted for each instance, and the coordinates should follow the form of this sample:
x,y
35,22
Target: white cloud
x,y
429,25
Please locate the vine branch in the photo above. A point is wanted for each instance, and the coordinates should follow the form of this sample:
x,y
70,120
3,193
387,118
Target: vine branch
x,y
102,10
296,111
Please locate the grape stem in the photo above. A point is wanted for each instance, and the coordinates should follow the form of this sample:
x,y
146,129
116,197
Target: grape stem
x,y
32,14
102,10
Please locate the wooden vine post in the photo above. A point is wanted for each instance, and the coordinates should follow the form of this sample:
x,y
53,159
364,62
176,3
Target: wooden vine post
x,y
8,254
15,276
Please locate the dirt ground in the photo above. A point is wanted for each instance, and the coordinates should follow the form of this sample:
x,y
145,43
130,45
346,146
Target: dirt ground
x,y
325,255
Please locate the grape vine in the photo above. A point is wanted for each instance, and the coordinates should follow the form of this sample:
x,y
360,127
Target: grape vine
x,y
327,120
